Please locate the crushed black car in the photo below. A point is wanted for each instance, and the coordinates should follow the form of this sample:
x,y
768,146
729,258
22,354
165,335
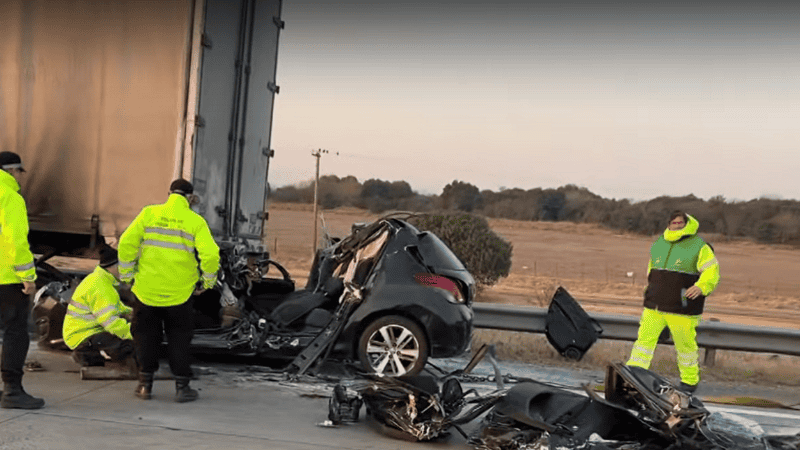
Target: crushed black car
x,y
387,296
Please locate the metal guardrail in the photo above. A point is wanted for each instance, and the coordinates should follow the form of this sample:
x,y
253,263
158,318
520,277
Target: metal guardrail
x,y
710,335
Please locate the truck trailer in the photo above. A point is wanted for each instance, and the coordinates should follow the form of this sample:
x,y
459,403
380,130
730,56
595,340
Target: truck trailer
x,y
108,101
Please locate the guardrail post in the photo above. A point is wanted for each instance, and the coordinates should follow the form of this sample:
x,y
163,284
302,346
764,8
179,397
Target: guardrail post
x,y
710,353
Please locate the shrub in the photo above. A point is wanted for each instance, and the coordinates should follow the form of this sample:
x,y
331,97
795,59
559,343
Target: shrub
x,y
486,255
461,196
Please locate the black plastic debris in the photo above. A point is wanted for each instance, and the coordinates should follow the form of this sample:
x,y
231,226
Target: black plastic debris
x,y
343,407
784,442
569,329
536,415
640,411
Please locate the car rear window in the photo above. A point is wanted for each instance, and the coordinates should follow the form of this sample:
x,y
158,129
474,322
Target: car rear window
x,y
436,254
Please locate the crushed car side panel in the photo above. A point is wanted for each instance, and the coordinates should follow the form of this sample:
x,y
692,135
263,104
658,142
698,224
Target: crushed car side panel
x,y
392,289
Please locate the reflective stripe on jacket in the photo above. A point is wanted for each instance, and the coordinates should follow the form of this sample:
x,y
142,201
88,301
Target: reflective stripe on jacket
x,y
95,307
16,259
160,250
679,260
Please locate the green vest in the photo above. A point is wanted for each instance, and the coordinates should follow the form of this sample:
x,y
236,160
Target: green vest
x,y
679,256
674,269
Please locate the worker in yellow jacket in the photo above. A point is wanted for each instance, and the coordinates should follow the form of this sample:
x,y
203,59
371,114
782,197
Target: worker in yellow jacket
x,y
97,325
681,273
160,252
17,283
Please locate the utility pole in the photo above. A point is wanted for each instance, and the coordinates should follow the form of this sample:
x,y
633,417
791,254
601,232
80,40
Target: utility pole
x,y
317,154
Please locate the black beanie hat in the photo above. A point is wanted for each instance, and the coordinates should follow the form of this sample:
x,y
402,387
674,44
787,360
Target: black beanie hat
x,y
10,160
181,186
108,257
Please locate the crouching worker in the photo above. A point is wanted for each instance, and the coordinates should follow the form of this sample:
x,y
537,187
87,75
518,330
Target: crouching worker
x,y
94,327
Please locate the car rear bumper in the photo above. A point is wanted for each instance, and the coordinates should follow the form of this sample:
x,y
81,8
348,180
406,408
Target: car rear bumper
x,y
450,331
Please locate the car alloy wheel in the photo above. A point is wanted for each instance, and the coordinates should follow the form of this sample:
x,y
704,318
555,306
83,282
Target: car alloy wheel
x,y
393,346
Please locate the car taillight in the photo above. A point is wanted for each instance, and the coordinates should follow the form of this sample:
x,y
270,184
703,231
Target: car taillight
x,y
438,281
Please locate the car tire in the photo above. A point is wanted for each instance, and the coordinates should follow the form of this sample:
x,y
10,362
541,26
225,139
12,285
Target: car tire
x,y
393,346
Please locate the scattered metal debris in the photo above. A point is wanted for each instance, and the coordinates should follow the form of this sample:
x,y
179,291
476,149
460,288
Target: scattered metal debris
x,y
419,408
639,410
537,415
33,366
423,407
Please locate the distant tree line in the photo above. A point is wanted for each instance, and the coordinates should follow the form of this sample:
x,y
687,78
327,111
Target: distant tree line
x,y
763,220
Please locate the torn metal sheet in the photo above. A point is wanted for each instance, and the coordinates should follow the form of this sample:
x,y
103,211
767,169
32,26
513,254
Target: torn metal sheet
x,y
537,415
411,408
734,431
419,408
654,399
423,407
641,411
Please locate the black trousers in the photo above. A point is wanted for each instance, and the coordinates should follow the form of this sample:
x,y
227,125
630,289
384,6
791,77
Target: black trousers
x,y
15,307
88,352
151,323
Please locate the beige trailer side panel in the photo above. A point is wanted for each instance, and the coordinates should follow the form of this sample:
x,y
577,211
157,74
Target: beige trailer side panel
x,y
93,97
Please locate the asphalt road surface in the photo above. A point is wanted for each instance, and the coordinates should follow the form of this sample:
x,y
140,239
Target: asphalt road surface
x,y
246,406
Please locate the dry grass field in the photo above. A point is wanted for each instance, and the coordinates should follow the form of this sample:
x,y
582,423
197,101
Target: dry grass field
x,y
606,272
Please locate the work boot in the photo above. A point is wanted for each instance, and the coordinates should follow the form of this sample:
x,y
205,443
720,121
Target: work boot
x,y
183,393
145,388
688,388
16,397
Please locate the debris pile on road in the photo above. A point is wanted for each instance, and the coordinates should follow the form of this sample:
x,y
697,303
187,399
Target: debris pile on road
x,y
423,407
639,410
632,416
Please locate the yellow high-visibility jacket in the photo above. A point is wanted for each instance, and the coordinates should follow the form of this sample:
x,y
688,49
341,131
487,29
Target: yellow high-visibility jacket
x,y
16,259
95,307
160,250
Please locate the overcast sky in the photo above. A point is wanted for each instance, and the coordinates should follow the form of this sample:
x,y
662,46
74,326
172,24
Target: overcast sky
x,y
627,99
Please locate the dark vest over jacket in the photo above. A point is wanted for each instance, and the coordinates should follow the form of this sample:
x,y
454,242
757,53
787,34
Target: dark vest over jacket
x,y
674,270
